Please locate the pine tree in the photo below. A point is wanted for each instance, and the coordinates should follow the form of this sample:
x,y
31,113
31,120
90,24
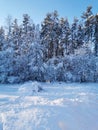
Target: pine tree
x,y
64,39
88,24
74,28
50,35
80,36
96,35
2,39
56,34
27,33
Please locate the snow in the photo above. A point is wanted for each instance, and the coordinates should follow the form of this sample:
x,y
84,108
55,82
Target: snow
x,y
29,88
58,106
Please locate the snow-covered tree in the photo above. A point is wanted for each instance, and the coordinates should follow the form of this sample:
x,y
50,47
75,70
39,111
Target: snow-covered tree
x,y
96,35
58,51
2,39
74,29
80,36
88,21
50,33
36,68
64,39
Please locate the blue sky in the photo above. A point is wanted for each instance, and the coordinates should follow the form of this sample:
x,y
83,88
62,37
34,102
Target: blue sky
x,y
38,9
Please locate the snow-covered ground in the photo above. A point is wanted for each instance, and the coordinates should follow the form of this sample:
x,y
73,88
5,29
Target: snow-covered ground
x,y
57,106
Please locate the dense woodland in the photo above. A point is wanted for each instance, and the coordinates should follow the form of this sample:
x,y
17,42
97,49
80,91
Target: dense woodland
x,y
56,50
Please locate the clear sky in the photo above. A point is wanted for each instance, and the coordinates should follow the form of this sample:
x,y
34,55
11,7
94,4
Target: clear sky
x,y
37,9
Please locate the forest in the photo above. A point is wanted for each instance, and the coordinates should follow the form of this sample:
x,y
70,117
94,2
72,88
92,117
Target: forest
x,y
55,50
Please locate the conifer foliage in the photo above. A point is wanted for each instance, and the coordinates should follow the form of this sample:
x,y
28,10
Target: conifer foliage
x,y
54,51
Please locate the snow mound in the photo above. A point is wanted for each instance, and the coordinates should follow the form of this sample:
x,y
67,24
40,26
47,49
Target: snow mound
x,y
28,89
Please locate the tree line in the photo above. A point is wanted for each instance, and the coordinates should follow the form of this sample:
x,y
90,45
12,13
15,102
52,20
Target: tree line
x,y
55,50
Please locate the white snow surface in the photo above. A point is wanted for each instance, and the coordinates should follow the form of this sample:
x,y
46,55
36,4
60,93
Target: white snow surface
x,y
58,106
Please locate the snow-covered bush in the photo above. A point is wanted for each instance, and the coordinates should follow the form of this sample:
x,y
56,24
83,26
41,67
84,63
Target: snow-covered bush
x,y
29,88
80,68
49,74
